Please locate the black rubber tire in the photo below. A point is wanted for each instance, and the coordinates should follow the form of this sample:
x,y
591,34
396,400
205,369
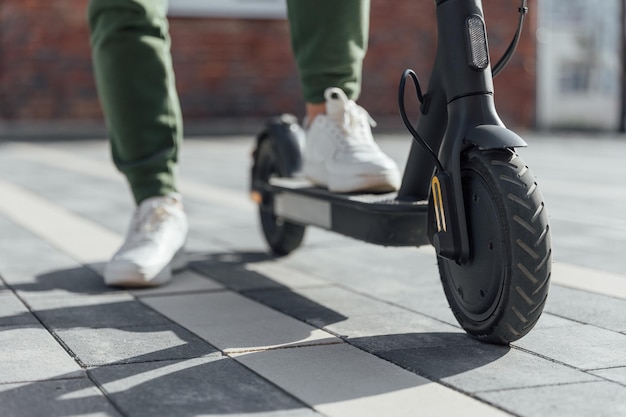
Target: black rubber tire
x,y
499,295
282,236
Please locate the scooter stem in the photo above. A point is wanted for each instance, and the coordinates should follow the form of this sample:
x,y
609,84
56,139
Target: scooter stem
x,y
459,100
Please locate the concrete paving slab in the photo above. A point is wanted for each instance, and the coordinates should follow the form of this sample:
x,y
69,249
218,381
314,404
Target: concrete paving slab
x,y
345,312
34,356
216,386
103,199
613,374
94,311
13,312
548,320
588,279
57,225
186,281
583,346
55,398
599,310
51,273
593,399
234,323
105,346
340,380
474,367
242,271
393,324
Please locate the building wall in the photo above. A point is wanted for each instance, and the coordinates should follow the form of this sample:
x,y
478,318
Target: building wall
x,y
236,67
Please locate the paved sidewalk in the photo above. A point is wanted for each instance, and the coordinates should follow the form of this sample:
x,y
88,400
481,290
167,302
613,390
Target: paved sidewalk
x,y
338,328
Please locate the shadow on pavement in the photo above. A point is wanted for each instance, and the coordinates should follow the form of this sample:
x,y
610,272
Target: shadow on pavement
x,y
147,365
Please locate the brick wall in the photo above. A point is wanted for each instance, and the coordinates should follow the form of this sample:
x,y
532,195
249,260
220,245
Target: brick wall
x,y
236,68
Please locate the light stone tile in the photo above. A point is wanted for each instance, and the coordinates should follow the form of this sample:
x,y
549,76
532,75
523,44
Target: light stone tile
x,y
340,380
13,312
472,366
34,356
595,399
66,397
345,312
614,374
589,280
589,308
233,323
105,346
548,320
57,225
580,346
392,324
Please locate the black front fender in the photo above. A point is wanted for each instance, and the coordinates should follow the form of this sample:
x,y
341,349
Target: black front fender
x,y
493,137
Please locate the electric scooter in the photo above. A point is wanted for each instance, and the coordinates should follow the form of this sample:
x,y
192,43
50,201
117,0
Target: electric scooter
x,y
464,188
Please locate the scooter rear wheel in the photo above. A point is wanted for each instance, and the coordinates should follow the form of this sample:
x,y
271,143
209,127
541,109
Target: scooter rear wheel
x,y
499,295
281,235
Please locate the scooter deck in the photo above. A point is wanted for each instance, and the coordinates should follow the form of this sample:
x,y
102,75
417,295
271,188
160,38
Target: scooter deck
x,y
381,219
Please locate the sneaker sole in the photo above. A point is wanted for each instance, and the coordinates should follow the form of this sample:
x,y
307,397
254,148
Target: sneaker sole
x,y
379,183
130,276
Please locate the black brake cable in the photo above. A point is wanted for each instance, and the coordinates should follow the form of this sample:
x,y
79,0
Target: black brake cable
x,y
506,57
420,97
500,65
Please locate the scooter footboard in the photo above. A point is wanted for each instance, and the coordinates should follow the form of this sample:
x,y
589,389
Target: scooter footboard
x,y
375,218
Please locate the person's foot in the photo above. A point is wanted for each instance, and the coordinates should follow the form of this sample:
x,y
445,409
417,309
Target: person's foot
x,y
340,152
153,247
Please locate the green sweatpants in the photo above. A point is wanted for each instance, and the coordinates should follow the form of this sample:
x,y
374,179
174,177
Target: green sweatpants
x,y
135,78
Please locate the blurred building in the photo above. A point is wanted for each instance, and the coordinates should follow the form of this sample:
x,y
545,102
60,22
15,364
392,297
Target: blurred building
x,y
579,64
233,60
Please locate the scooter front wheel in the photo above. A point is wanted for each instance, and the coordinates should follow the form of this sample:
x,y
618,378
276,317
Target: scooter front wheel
x,y
281,235
499,294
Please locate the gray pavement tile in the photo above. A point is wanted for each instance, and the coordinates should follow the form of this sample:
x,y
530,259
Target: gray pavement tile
x,y
548,320
585,307
232,322
185,281
594,399
389,324
202,386
94,311
58,398
13,312
105,201
474,366
50,273
340,380
34,356
252,270
104,346
581,346
344,312
614,374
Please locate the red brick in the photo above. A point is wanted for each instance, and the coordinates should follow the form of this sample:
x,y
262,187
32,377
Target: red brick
x,y
238,68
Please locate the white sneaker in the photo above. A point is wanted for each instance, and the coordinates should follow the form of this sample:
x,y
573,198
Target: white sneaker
x,y
153,247
340,152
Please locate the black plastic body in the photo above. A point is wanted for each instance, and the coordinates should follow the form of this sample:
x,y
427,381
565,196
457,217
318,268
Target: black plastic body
x,y
461,113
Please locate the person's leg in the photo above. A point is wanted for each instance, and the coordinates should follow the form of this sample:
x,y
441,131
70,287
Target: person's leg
x,y
135,80
329,40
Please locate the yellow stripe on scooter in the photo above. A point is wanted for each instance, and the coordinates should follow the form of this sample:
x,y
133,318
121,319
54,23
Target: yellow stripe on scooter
x,y
438,202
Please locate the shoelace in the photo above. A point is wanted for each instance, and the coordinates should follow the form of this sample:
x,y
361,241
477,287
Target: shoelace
x,y
146,223
353,125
